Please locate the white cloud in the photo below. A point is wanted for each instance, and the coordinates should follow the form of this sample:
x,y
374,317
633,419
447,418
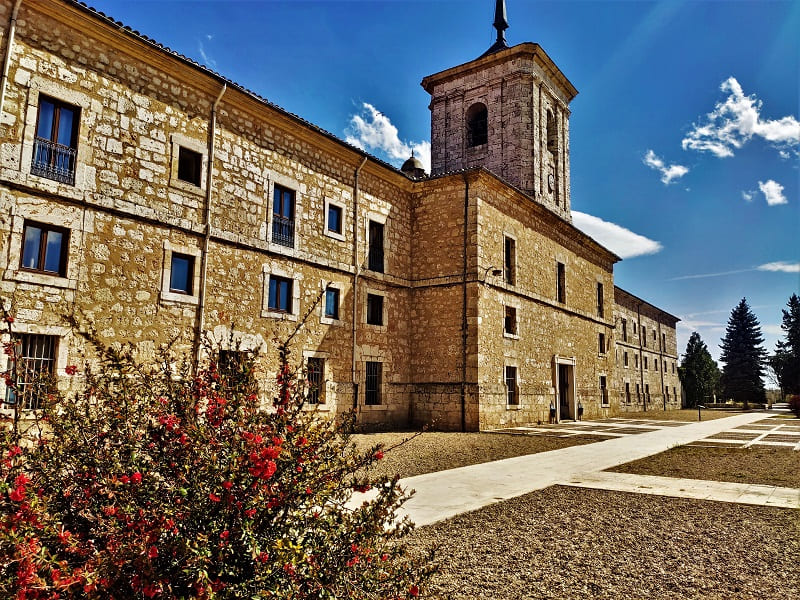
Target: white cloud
x,y
772,329
780,267
707,275
735,121
372,130
619,240
208,60
748,196
668,173
773,192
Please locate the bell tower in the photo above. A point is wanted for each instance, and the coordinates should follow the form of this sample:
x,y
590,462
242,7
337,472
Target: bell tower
x,y
507,111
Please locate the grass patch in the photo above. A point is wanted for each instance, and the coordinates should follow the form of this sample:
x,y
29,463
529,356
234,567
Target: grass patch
x,y
683,414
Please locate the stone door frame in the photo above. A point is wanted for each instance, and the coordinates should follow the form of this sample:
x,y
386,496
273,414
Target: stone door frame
x,y
568,361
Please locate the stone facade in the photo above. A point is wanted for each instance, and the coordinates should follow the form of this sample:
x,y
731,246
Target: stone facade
x,y
181,206
646,355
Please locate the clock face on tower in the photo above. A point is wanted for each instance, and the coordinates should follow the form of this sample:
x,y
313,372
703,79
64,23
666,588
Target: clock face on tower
x,y
551,182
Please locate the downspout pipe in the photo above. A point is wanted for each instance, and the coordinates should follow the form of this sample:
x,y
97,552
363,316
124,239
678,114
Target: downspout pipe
x,y
464,331
641,356
12,28
356,274
201,292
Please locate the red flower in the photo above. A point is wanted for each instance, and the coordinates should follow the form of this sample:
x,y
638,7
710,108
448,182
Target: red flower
x,y
18,495
136,477
225,535
71,369
227,485
9,319
125,479
413,591
379,454
213,497
152,552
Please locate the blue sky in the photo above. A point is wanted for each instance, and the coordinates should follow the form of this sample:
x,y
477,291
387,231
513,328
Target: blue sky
x,y
684,136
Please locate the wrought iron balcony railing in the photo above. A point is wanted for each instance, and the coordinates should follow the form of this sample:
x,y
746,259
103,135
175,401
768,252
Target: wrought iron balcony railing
x,y
53,161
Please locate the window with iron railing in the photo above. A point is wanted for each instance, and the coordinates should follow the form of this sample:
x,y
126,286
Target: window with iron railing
x,y
512,390
315,369
55,145
283,216
32,375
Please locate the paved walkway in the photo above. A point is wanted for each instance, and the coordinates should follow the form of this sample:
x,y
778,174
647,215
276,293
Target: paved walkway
x,y
444,494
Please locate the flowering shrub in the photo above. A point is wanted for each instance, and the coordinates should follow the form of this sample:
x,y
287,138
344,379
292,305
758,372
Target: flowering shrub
x,y
148,485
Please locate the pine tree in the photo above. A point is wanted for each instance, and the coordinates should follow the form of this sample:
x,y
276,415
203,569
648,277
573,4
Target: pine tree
x,y
743,357
698,372
786,360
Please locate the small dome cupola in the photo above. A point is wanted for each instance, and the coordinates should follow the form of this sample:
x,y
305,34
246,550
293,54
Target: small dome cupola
x,y
413,167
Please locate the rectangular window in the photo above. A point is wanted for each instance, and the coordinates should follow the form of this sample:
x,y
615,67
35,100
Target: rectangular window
x,y
510,326
666,393
283,216
624,330
627,393
374,309
636,360
634,328
335,219
625,359
280,294
644,336
510,261
600,304
181,274
663,342
603,391
675,391
512,393
190,166
55,145
638,393
561,284
315,370
645,363
234,367
372,384
673,368
33,373
601,343
647,392
44,249
655,364
332,303
375,258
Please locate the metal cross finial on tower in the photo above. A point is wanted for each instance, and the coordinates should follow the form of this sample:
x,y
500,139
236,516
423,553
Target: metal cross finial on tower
x,y
500,24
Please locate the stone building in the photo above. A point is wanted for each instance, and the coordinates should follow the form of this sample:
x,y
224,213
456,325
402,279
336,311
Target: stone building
x,y
157,201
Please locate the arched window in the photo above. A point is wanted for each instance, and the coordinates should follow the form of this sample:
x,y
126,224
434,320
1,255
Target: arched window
x,y
477,125
552,133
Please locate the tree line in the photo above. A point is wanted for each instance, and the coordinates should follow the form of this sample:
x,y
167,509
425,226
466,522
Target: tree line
x,y
744,360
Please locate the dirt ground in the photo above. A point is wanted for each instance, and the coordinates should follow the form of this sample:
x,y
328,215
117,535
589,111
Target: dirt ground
x,y
565,542
759,464
437,451
683,414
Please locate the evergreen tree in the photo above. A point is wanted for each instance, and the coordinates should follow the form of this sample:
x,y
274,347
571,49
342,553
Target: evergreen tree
x,y
786,360
698,372
743,357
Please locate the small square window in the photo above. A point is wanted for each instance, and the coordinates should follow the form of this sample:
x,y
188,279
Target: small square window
x,y
181,274
34,371
335,218
510,325
190,166
374,309
280,294
315,372
44,249
332,303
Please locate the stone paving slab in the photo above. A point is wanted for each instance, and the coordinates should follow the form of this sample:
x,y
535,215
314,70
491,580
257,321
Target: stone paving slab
x,y
444,494
743,493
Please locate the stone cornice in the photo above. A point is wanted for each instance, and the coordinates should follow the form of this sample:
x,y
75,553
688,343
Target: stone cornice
x,y
527,49
635,300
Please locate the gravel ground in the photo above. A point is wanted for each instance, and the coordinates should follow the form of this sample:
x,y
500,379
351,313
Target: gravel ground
x,y
765,465
564,542
437,451
688,414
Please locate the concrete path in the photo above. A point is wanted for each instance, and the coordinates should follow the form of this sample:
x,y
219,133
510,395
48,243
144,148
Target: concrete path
x,y
721,491
444,494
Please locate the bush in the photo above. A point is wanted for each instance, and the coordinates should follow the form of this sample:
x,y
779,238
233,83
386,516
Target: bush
x,y
148,485
794,404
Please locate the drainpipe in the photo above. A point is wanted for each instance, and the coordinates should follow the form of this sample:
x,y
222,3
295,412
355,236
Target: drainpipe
x,y
662,349
356,273
201,292
12,27
641,357
464,311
